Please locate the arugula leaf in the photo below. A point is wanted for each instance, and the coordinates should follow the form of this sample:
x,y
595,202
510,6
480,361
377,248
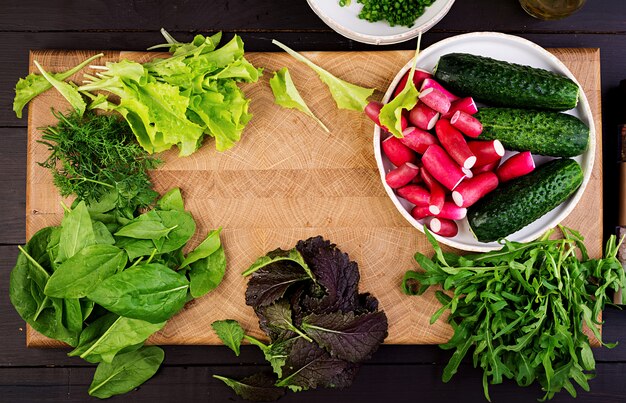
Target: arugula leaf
x,y
346,336
391,113
150,292
84,271
230,333
207,273
32,85
257,388
345,94
126,372
68,91
286,94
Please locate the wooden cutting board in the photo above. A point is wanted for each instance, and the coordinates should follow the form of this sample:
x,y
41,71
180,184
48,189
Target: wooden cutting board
x,y
288,180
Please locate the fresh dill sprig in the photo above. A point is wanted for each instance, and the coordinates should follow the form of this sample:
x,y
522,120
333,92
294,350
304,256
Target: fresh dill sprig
x,y
94,155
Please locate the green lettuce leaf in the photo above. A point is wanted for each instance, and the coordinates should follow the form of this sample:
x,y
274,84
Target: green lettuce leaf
x,y
345,94
68,91
286,94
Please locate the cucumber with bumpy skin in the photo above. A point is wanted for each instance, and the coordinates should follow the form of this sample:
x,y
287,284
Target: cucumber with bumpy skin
x,y
517,203
500,83
540,132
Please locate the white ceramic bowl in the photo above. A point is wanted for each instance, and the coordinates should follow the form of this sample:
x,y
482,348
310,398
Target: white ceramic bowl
x,y
345,21
512,49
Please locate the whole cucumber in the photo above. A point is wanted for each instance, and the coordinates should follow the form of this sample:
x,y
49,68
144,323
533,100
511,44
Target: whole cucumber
x,y
540,132
515,204
500,83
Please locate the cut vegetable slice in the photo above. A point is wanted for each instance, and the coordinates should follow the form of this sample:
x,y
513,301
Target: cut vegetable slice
x,y
471,190
418,140
418,78
443,227
423,117
431,83
437,192
454,143
402,175
467,124
397,152
486,152
518,165
415,194
466,105
436,100
442,167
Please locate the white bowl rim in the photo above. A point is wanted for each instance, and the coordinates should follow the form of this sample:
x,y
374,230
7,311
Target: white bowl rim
x,y
587,167
381,39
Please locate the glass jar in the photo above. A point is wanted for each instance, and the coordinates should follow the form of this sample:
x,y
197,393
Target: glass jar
x,y
551,9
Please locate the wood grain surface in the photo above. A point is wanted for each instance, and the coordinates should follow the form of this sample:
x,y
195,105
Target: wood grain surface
x,y
288,180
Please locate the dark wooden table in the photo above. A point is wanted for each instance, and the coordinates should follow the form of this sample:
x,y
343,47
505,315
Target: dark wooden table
x,y
396,373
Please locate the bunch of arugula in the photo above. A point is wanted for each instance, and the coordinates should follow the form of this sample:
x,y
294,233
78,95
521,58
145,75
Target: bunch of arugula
x,y
320,327
104,283
166,102
96,156
522,308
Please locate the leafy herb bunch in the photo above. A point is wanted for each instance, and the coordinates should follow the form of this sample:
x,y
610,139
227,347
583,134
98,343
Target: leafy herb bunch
x,y
522,308
94,156
104,286
320,327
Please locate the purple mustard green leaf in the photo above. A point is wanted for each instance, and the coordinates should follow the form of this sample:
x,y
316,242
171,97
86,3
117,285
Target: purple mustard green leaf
x,y
270,283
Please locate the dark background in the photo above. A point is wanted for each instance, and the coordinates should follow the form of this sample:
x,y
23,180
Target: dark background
x,y
396,373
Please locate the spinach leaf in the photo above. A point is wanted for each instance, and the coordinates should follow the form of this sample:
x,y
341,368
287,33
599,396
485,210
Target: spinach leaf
x,y
72,314
27,281
207,273
256,388
183,227
346,336
102,234
135,247
110,335
230,333
172,200
210,244
286,94
345,94
144,228
76,232
150,292
84,271
125,372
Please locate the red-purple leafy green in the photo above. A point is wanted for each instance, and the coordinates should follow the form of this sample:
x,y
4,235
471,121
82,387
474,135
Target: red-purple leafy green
x,y
257,388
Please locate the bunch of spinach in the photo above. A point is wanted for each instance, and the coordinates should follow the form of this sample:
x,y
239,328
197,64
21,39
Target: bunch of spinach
x,y
166,102
96,157
522,308
320,327
103,284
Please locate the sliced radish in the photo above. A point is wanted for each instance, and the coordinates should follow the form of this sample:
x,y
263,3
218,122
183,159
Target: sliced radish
x,y
397,152
418,78
430,83
518,165
415,194
402,175
417,139
486,152
436,100
372,110
485,168
420,212
423,117
443,227
471,190
467,124
468,172
442,167
466,105
437,192
451,211
454,143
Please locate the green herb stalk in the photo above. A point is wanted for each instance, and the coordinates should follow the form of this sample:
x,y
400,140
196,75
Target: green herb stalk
x,y
522,308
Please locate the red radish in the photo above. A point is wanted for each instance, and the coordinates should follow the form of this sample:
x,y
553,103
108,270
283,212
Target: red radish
x,y
419,212
451,211
471,190
443,227
372,110
518,165
486,152
454,143
442,167
467,124
415,194
397,152
430,83
418,78
417,140
485,168
402,175
468,172
423,117
466,105
437,192
436,100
